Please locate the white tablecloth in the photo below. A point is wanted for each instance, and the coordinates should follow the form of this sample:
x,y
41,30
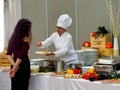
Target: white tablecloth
x,y
80,84
4,81
36,82
58,83
39,83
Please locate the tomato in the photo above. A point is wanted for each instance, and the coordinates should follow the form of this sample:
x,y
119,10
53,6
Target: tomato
x,y
93,34
86,44
96,76
77,71
83,76
108,45
87,76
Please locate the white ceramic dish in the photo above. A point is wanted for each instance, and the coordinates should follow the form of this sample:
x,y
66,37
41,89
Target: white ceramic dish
x,y
37,59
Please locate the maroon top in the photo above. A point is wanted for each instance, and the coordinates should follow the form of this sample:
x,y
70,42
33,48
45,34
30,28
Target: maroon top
x,y
20,53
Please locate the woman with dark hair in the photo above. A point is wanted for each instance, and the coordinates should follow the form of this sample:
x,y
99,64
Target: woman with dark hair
x,y
18,55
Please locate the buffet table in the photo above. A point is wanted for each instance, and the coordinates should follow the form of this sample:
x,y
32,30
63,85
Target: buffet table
x,y
4,81
79,84
38,82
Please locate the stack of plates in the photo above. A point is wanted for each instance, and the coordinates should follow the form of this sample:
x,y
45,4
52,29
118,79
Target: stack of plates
x,y
91,56
81,55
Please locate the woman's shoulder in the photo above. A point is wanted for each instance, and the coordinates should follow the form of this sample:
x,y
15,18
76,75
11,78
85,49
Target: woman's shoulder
x,y
26,39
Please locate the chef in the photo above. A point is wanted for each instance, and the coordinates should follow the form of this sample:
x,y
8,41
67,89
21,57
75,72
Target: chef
x,y
62,41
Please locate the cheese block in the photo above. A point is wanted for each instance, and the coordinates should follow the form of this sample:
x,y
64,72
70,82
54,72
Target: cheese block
x,y
105,51
99,41
104,38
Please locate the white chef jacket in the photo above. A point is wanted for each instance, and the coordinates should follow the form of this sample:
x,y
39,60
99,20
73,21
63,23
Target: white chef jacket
x,y
64,47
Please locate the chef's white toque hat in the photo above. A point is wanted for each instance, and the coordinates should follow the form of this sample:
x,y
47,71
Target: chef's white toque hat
x,y
64,21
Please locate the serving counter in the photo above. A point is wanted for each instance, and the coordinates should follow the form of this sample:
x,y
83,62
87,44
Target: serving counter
x,y
79,84
38,82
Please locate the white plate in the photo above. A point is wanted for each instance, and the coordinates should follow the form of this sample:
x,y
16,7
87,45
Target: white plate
x,y
37,59
45,74
39,52
42,52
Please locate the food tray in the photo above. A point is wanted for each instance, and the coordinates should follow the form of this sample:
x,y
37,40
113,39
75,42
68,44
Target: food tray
x,y
103,68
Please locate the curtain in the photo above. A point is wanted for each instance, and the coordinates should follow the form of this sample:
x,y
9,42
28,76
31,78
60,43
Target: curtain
x,y
12,13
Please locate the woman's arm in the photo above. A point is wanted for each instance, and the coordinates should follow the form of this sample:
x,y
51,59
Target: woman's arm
x,y
10,58
15,65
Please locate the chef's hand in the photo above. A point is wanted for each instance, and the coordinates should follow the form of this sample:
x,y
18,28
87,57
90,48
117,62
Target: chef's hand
x,y
49,53
39,44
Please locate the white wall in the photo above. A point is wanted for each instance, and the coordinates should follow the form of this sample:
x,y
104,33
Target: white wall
x,y
87,15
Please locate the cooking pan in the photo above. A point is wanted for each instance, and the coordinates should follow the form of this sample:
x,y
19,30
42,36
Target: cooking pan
x,y
59,66
47,63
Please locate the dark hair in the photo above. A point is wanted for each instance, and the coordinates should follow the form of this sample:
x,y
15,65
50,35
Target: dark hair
x,y
22,29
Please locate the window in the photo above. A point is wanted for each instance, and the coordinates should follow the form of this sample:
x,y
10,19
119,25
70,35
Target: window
x,y
1,25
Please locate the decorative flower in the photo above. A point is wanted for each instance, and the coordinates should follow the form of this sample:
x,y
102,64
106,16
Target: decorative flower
x,y
114,22
101,31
